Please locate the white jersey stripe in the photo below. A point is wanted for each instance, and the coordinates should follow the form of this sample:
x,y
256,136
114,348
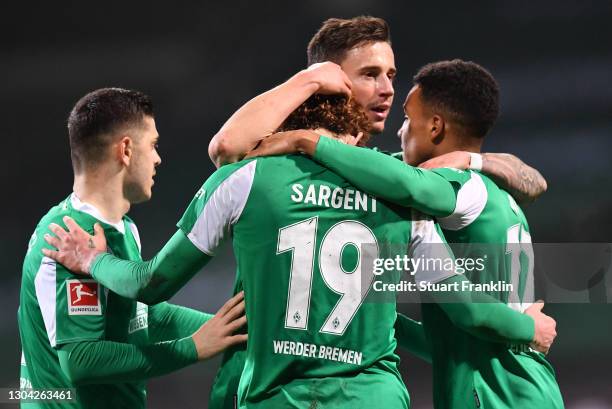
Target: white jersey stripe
x,y
471,201
136,235
44,283
223,209
427,244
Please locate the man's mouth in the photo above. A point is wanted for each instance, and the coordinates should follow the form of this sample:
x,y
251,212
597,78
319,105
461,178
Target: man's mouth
x,y
380,111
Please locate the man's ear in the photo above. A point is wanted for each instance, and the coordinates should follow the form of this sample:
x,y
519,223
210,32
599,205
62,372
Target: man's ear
x,y
436,128
125,150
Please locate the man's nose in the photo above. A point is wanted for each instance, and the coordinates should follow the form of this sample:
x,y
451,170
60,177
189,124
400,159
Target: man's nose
x,y
385,86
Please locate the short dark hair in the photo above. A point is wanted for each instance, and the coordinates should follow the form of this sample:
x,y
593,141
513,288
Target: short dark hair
x,y
98,117
336,113
337,36
464,90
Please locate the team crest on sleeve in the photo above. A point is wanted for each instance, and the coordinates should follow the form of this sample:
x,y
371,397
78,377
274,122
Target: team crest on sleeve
x,y
83,297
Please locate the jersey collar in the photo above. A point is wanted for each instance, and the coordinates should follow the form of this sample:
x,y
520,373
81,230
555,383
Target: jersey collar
x,y
93,211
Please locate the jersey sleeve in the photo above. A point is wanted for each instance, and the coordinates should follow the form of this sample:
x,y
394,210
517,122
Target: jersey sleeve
x,y
427,244
72,307
168,321
218,205
103,362
472,198
388,178
205,224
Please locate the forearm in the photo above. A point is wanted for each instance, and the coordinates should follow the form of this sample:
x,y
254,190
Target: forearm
x,y
259,117
523,182
383,176
168,321
484,316
410,335
94,362
155,280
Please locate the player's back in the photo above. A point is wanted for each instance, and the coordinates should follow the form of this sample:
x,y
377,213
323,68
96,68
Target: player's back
x,y
472,372
304,245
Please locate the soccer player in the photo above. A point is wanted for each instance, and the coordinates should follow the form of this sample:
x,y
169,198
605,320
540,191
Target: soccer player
x,y
451,108
356,53
302,234
74,332
352,56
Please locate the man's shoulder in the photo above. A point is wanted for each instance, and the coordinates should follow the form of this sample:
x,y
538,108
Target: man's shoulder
x,y
265,168
64,208
455,176
56,214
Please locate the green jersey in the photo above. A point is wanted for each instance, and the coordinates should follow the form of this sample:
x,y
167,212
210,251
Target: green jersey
x,y
468,371
304,240
57,307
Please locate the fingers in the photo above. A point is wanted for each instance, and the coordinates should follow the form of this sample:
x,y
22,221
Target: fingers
x,y
238,323
538,305
229,304
51,253
98,230
72,225
237,339
54,241
235,312
58,231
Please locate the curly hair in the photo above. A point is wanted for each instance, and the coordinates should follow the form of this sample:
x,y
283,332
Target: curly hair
x,y
463,90
336,113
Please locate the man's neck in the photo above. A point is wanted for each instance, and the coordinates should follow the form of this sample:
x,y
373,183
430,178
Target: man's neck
x,y
104,191
453,144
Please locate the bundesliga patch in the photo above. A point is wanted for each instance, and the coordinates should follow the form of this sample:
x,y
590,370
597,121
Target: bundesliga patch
x,y
83,297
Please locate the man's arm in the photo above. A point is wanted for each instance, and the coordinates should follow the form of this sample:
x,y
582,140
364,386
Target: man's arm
x,y
370,171
263,114
155,280
523,182
150,281
169,321
475,312
205,224
94,362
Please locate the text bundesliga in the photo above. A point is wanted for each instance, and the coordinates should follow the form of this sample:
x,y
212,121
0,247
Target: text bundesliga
x,y
409,286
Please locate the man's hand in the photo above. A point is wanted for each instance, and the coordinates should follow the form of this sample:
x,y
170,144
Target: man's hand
x,y
330,78
76,249
545,328
457,160
217,333
286,143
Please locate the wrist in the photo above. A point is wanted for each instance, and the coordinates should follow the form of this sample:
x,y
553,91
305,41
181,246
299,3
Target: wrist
x,y
306,142
90,264
308,80
529,329
190,348
475,161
